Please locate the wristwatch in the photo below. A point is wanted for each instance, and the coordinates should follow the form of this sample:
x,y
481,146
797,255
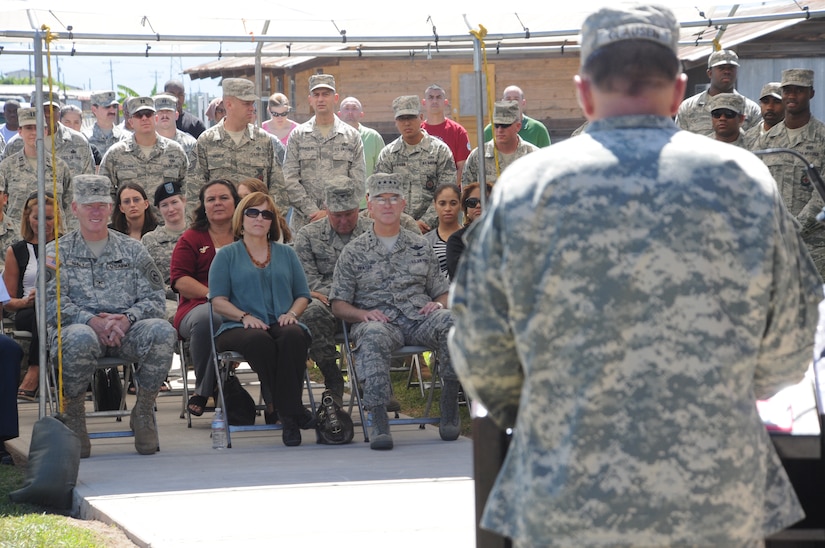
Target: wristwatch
x,y
131,317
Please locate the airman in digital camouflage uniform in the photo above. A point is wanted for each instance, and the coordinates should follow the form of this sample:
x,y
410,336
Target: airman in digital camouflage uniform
x,y
144,157
8,229
318,246
18,172
70,145
803,132
507,148
694,112
111,304
322,148
773,112
161,241
388,285
234,149
167,115
422,161
727,114
622,303
104,133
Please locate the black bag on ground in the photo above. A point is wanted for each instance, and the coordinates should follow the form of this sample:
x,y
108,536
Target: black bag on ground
x,y
108,389
240,407
334,425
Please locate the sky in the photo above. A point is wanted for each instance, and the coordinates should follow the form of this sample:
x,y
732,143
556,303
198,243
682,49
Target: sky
x,y
320,18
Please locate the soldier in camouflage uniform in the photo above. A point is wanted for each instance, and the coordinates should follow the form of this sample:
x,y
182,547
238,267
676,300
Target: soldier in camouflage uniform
x,y
318,246
508,146
235,150
160,242
803,132
322,148
694,112
144,157
8,230
388,284
18,172
727,114
773,112
111,304
626,346
70,145
422,161
167,114
104,133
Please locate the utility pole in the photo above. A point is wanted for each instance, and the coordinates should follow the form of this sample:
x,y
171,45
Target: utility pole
x,y
111,74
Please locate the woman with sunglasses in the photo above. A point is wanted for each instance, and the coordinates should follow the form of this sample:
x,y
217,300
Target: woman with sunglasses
x,y
189,273
471,205
20,278
132,215
278,124
260,289
447,200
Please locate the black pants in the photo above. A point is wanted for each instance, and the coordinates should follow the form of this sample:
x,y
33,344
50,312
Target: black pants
x,y
278,355
26,320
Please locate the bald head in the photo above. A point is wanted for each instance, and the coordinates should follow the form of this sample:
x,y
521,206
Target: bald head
x,y
351,111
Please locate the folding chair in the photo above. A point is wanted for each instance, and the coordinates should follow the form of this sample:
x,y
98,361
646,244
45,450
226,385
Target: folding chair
x,y
222,362
355,395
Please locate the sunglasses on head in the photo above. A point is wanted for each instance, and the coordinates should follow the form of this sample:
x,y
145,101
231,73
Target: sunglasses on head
x,y
471,203
729,114
253,212
279,114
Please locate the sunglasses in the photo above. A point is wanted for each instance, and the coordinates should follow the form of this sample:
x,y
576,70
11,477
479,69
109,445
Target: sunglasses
x,y
471,203
253,212
279,114
502,126
143,114
729,114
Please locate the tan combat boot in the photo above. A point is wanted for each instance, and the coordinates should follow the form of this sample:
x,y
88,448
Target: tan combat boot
x,y
74,416
142,422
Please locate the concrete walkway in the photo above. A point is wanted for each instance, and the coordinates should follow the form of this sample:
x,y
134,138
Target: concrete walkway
x,y
262,493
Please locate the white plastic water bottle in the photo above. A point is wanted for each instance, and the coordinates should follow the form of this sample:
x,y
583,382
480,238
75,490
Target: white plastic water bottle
x,y
218,431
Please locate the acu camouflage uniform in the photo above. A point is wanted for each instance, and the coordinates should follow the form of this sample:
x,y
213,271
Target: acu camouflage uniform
x,y
70,146
160,243
423,167
255,157
694,114
19,177
122,280
104,140
192,184
8,235
627,348
125,163
798,193
398,283
470,173
313,160
318,247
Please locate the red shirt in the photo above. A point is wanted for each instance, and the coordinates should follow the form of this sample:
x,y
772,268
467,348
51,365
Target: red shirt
x,y
192,256
454,136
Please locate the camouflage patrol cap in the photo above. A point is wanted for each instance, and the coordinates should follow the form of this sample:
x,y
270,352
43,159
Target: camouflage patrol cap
x,y
104,99
321,81
165,102
385,183
771,89
27,116
406,105
730,101
136,104
505,112
241,88
92,189
610,25
341,196
167,190
798,77
723,57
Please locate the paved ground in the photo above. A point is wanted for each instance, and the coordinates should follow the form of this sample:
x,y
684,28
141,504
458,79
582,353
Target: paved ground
x,y
261,492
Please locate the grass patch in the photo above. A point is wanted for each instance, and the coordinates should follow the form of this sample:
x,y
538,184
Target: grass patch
x,y
29,526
